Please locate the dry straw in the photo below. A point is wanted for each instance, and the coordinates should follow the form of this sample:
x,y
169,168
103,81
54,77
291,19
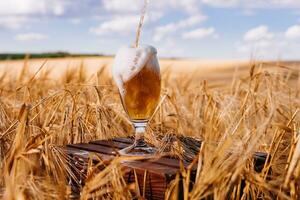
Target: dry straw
x,y
256,111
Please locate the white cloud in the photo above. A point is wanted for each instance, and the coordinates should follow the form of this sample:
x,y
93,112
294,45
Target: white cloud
x,y
170,48
293,32
248,12
264,44
15,14
124,24
263,49
187,6
193,20
258,33
221,3
163,31
252,4
30,37
120,24
32,7
76,21
12,22
122,5
199,33
17,7
190,6
154,15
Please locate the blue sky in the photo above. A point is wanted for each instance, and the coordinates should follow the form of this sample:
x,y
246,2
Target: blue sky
x,y
206,29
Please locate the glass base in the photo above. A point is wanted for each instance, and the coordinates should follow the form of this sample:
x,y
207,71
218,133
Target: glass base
x,y
139,148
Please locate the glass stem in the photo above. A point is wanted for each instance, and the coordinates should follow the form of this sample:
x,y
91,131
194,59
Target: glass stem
x,y
140,129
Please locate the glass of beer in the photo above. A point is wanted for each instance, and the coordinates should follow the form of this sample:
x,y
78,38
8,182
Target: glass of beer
x,y
137,74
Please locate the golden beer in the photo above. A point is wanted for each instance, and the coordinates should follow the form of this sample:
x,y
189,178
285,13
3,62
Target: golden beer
x,y
141,93
137,75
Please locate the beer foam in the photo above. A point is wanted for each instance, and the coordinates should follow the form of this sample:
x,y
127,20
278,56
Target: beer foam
x,y
129,61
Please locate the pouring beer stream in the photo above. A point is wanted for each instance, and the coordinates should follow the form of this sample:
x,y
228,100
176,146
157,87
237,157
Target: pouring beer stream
x,y
137,74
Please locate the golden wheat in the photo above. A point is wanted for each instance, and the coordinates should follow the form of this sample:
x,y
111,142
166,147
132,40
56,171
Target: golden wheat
x,y
258,111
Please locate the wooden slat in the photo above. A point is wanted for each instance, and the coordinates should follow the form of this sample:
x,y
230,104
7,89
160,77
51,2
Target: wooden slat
x,y
111,143
158,166
154,167
75,151
260,158
160,171
85,154
120,145
94,148
111,147
150,166
155,186
124,140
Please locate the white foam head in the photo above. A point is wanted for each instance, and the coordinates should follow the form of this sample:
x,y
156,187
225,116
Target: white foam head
x,y
129,61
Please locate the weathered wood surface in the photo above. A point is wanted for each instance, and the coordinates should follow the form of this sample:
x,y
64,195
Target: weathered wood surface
x,y
160,172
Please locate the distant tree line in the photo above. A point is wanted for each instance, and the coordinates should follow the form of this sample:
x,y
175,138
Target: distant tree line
x,y
16,56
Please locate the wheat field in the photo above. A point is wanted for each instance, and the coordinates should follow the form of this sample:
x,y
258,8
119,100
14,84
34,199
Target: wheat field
x,y
235,108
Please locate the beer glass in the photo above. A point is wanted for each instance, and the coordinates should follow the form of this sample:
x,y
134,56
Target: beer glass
x,y
137,74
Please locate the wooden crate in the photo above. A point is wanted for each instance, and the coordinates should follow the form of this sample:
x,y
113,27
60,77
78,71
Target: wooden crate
x,y
160,172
